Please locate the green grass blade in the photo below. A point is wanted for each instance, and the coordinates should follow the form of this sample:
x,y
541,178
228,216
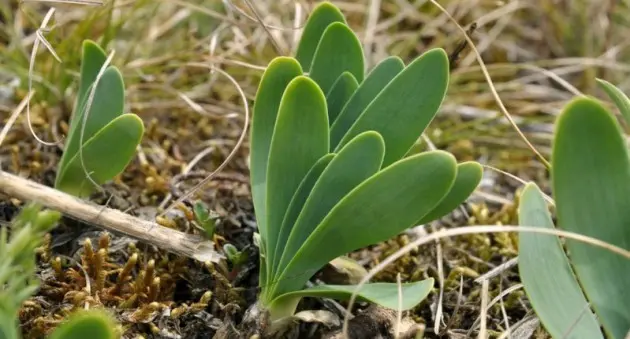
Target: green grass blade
x,y
467,179
324,14
277,76
107,105
618,97
92,59
384,294
547,276
338,51
300,139
373,84
356,162
376,210
296,204
339,94
406,106
591,184
93,324
105,155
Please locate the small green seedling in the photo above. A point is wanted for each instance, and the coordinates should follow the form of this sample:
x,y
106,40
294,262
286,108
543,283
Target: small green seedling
x,y
206,220
103,142
329,167
18,281
236,257
576,292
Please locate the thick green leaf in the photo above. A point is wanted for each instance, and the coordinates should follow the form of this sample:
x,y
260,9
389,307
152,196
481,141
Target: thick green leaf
x,y
376,210
373,84
591,184
547,276
93,324
299,140
339,94
108,104
384,294
92,59
468,177
406,106
338,51
105,155
356,162
618,97
277,76
297,202
324,14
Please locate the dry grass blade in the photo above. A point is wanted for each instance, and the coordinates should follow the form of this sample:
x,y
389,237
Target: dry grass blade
x,y
497,299
484,309
399,311
257,19
498,270
585,310
236,147
370,28
31,65
505,316
440,266
14,115
73,2
494,91
479,229
512,176
254,10
186,170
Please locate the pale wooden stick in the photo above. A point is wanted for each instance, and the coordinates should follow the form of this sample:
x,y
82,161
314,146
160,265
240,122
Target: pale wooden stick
x,y
174,241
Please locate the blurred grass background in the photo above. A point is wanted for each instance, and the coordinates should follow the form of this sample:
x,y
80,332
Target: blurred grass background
x,y
577,40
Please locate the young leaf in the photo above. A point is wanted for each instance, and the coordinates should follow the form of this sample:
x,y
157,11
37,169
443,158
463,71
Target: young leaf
x,y
107,105
379,208
338,51
384,294
324,14
277,76
406,106
105,155
373,84
296,204
339,94
206,221
547,276
300,139
591,184
92,59
468,177
356,162
93,324
618,97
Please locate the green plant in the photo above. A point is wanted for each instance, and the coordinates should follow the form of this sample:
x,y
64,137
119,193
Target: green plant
x,y
206,220
102,141
236,257
591,186
328,168
93,324
18,281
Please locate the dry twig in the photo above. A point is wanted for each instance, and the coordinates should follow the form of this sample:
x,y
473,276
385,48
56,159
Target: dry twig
x,y
113,220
